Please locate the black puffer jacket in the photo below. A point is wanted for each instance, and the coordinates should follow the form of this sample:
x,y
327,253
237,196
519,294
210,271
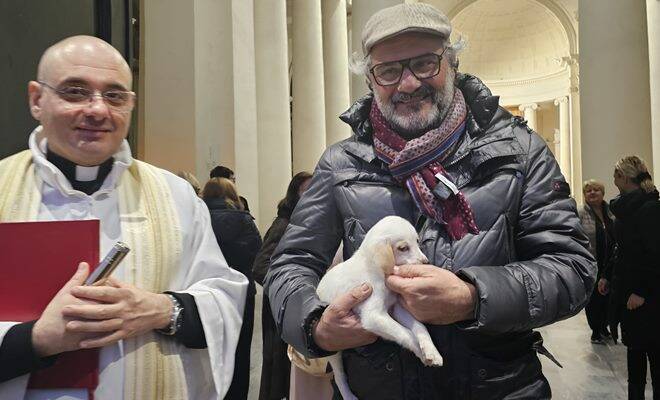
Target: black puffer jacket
x,y
529,262
637,269
237,236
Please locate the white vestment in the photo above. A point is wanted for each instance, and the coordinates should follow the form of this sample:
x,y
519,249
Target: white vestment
x,y
219,291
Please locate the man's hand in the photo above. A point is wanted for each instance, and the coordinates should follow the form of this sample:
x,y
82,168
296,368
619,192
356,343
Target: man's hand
x,y
433,295
339,328
125,311
635,301
49,334
603,286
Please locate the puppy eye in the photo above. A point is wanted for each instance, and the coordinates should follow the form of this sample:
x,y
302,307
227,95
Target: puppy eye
x,y
403,248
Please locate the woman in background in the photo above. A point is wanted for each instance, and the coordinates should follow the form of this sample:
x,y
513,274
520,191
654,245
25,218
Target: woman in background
x,y
276,366
239,241
636,274
596,220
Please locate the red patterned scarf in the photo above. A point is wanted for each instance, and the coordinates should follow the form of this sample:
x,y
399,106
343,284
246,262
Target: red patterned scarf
x,y
417,163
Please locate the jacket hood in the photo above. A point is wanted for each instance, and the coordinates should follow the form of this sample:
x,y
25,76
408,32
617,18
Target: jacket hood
x,y
627,204
481,103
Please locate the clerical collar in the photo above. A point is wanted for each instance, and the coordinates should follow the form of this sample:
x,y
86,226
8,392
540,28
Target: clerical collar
x,y
85,179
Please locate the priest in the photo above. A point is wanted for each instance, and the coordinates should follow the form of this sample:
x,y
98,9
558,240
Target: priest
x,y
173,302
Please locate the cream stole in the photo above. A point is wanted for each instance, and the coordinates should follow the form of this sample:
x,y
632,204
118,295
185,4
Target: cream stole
x,y
150,226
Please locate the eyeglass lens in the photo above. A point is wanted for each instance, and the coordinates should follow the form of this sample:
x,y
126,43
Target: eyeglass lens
x,y
423,67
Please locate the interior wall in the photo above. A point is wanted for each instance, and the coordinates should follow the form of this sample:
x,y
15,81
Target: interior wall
x,y
27,28
614,86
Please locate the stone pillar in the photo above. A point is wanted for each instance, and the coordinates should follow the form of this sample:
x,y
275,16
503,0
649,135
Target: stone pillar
x,y
246,159
529,113
361,10
564,137
199,89
576,133
273,113
614,98
653,27
308,86
556,143
335,68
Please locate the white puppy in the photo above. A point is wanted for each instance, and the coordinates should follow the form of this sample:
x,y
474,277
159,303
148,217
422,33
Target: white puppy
x,y
392,241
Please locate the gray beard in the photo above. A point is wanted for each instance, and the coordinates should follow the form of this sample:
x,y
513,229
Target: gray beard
x,y
415,124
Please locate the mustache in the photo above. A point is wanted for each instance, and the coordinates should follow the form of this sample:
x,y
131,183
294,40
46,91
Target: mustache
x,y
421,92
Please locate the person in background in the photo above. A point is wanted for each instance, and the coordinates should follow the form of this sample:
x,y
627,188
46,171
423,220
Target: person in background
x,y
220,171
276,365
635,277
190,178
239,240
596,220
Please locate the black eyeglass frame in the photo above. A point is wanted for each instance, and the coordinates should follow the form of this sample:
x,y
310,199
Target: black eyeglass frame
x,y
405,63
127,107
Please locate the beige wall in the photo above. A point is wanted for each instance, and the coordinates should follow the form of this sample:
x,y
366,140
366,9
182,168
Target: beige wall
x,y
199,90
614,86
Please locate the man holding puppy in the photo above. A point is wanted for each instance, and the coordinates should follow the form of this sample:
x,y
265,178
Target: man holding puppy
x,y
505,248
173,300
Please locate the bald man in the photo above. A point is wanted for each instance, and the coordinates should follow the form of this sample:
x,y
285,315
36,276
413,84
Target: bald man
x,y
172,302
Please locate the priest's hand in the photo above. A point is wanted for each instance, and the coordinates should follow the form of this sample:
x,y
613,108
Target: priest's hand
x,y
433,295
49,334
339,328
125,311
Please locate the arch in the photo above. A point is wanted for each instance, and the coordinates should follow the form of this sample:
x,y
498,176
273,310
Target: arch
x,y
552,6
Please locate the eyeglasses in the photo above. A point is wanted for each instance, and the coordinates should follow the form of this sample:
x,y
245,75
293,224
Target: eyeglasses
x,y
77,96
422,67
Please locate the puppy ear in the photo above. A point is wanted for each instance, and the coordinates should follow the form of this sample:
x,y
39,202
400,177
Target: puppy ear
x,y
383,257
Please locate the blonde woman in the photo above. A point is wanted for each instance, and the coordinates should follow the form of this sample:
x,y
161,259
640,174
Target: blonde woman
x,y
596,220
636,275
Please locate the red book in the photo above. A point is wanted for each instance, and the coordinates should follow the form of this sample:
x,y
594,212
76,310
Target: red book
x,y
38,258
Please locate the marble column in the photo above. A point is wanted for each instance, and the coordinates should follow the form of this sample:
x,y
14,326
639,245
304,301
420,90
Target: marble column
x,y
614,99
335,68
308,133
273,112
199,107
653,27
529,113
564,137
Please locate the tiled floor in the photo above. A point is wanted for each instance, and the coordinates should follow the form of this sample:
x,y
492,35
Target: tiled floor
x,y
591,372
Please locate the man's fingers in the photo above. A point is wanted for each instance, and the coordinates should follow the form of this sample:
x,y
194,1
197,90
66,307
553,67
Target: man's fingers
x,y
397,283
91,311
109,325
349,300
103,294
79,277
103,340
411,270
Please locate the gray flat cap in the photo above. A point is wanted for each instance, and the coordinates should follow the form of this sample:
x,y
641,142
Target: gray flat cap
x,y
392,21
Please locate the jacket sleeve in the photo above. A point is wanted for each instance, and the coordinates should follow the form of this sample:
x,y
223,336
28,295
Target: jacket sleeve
x,y
262,259
302,257
555,273
643,273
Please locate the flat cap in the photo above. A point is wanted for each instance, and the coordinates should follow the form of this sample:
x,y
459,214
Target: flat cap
x,y
402,18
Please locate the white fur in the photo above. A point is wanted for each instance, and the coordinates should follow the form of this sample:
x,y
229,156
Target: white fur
x,y
366,265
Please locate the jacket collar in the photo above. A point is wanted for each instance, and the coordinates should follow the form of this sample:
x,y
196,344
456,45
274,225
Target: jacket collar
x,y
627,204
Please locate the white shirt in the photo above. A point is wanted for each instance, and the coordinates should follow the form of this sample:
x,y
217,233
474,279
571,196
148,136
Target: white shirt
x,y
219,291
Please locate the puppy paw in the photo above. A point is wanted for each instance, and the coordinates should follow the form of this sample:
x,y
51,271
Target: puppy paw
x,y
430,355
